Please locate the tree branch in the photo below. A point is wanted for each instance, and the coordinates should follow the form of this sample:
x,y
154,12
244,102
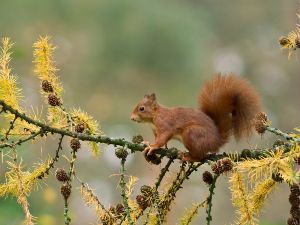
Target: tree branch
x,y
20,141
170,153
209,199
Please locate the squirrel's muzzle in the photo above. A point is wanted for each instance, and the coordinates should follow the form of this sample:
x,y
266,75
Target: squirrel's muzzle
x,y
135,118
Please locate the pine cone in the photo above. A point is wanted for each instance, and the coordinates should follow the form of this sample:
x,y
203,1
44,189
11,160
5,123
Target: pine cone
x,y
137,139
260,123
154,159
75,144
121,153
65,190
207,177
79,127
47,86
53,100
61,175
217,167
226,164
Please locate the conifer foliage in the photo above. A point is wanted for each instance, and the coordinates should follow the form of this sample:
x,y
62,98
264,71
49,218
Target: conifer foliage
x,y
252,174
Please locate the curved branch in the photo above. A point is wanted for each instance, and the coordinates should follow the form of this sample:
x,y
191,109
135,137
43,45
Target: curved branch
x,y
170,153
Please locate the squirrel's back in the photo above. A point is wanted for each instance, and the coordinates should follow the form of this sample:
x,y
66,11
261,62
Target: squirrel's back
x,y
232,103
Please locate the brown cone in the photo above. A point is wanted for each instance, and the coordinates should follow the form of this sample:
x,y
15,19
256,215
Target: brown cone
x,y
53,100
79,127
61,175
207,177
47,86
66,190
75,144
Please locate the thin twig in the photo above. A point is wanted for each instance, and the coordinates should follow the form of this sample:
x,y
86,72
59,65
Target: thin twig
x,y
66,212
70,121
182,175
163,173
86,186
123,192
20,141
11,127
71,172
73,159
195,211
209,199
155,194
56,157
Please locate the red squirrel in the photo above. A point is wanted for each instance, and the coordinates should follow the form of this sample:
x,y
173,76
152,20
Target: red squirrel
x,y
227,106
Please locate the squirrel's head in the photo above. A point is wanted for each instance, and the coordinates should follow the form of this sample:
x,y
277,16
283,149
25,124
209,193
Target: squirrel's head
x,y
144,111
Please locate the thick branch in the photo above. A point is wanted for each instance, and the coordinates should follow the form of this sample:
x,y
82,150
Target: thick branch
x,y
171,152
65,132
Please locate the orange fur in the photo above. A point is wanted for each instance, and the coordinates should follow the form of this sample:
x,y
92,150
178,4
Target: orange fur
x,y
226,105
232,103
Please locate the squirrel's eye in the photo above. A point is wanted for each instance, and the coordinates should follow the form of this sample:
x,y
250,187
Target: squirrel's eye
x,y
142,108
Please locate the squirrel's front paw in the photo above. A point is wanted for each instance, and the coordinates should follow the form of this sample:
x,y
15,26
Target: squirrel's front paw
x,y
149,150
150,156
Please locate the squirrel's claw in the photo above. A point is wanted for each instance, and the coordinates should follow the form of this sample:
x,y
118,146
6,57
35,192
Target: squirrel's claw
x,y
145,152
149,154
149,150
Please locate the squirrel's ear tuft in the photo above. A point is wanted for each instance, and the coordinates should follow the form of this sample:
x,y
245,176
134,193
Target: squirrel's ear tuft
x,y
153,96
146,96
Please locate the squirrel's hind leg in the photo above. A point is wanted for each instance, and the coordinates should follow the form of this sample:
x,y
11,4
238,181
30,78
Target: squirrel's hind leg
x,y
199,141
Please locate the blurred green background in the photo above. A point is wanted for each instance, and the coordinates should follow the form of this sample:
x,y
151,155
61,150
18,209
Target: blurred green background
x,y
111,52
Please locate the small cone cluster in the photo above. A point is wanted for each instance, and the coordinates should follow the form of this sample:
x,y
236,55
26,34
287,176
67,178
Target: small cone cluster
x,y
260,122
222,165
207,177
63,177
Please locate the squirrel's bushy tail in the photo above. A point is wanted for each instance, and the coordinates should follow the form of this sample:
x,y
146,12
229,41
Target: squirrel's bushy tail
x,y
232,103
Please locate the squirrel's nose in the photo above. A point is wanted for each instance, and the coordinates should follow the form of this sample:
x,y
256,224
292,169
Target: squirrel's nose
x,y
132,118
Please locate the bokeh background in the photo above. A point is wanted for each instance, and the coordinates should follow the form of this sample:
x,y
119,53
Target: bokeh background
x,y
111,52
